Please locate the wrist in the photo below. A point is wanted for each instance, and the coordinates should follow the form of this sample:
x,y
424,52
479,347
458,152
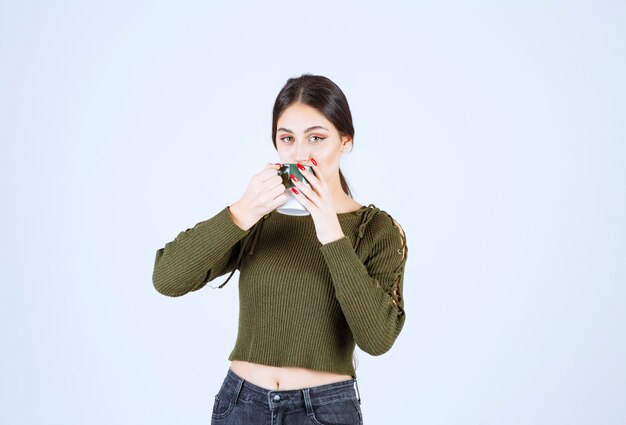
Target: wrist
x,y
331,237
240,216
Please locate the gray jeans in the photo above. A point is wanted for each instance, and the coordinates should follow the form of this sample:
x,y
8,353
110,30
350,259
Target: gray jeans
x,y
239,402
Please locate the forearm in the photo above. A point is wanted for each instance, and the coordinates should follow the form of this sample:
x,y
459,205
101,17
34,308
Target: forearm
x,y
373,315
197,255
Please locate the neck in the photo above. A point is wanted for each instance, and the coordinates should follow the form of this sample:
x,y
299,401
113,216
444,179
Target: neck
x,y
340,198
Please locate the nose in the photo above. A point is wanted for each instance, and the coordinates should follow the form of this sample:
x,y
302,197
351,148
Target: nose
x,y
302,152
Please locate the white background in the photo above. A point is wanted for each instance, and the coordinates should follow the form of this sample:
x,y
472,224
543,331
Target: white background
x,y
494,132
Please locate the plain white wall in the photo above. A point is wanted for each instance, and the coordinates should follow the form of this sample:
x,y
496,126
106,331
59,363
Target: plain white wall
x,y
493,132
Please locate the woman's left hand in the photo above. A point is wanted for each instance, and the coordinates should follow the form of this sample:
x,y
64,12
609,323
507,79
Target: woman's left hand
x,y
319,202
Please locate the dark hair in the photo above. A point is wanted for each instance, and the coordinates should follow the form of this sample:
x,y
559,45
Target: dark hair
x,y
322,94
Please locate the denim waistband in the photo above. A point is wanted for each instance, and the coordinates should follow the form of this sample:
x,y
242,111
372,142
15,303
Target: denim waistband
x,y
242,389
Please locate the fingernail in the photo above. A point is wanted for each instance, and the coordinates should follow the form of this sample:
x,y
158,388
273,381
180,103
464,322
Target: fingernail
x,y
278,163
294,190
314,161
300,166
293,177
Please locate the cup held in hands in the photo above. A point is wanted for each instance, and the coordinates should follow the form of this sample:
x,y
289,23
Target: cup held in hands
x,y
292,206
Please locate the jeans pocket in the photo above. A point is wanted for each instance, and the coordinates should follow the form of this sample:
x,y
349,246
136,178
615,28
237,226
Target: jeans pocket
x,y
223,405
341,412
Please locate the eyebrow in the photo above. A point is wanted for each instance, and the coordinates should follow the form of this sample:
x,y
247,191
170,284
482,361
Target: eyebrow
x,y
315,127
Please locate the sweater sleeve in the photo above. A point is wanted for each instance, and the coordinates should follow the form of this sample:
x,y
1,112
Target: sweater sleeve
x,y
369,291
198,255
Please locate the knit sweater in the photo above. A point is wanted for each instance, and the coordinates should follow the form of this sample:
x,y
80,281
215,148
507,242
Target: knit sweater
x,y
301,303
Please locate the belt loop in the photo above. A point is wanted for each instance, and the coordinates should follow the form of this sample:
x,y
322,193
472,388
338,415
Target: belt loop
x,y
356,387
307,402
238,391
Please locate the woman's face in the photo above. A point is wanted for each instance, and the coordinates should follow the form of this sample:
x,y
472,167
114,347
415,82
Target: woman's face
x,y
304,133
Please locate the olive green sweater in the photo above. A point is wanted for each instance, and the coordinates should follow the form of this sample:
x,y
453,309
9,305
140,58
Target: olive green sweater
x,y
302,304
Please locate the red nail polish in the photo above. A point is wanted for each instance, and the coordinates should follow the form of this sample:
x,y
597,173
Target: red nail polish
x,y
294,190
300,166
294,178
314,161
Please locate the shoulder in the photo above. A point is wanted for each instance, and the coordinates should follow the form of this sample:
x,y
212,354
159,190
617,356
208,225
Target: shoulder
x,y
380,227
380,219
384,219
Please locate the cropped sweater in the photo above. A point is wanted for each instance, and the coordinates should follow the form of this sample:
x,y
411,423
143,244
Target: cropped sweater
x,y
301,303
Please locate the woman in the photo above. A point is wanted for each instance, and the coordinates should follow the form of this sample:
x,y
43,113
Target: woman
x,y
310,287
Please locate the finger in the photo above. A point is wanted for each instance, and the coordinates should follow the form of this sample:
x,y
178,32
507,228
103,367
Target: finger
x,y
272,182
309,175
269,172
277,190
303,199
278,201
274,166
315,183
306,190
316,170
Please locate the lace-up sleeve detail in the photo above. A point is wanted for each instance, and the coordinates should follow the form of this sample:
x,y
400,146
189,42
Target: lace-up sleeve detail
x,y
370,290
366,216
398,273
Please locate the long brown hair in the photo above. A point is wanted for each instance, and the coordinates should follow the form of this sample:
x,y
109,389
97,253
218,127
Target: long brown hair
x,y
322,94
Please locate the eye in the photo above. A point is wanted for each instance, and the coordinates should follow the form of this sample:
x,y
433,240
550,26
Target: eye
x,y
316,139
286,137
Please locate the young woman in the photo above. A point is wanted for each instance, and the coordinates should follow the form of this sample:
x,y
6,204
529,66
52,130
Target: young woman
x,y
310,287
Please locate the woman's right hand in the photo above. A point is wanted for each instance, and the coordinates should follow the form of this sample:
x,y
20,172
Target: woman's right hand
x,y
264,194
